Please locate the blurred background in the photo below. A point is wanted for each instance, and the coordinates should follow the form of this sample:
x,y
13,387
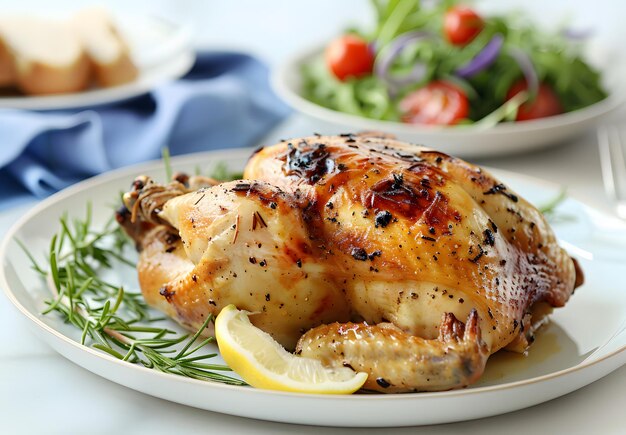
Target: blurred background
x,y
274,29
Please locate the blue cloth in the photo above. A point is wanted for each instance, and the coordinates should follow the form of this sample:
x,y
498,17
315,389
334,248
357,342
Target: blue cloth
x,y
224,101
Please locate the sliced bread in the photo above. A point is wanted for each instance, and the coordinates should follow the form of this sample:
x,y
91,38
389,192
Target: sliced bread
x,y
105,47
47,56
7,73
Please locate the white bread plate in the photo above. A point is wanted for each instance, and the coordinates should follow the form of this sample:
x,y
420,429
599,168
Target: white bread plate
x,y
160,49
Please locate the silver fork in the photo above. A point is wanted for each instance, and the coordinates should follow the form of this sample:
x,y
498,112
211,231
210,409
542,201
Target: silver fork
x,y
611,145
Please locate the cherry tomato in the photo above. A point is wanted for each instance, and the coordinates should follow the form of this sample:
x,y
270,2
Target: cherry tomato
x,y
349,56
438,103
546,103
461,24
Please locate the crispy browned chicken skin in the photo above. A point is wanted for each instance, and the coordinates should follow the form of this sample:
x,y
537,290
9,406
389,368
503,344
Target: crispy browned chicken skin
x,y
359,251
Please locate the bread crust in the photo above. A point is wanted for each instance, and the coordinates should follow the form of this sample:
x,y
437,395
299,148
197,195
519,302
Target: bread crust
x,y
37,78
7,71
96,29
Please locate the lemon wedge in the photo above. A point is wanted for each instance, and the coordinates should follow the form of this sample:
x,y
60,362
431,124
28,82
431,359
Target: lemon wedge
x,y
263,363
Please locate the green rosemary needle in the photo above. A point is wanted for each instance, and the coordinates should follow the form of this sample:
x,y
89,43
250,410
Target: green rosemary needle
x,y
221,173
165,155
110,318
550,206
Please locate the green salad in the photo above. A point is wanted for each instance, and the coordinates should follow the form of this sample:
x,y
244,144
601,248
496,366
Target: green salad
x,y
445,64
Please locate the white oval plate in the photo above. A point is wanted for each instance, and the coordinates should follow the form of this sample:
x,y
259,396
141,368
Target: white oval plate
x,y
469,141
583,342
160,49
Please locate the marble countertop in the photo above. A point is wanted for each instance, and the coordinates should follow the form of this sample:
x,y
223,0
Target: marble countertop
x,y
41,392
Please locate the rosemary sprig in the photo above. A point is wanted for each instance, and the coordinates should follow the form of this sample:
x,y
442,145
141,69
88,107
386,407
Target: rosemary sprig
x,y
550,206
550,209
112,319
221,173
165,154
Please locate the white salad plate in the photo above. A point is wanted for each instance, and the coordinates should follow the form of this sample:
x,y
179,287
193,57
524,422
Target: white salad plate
x,y
468,141
584,341
159,48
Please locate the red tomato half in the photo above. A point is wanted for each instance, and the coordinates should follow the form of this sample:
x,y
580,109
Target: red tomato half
x,y
438,103
461,24
546,103
349,56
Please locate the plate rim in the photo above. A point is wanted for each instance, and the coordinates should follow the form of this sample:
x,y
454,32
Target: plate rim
x,y
241,153
290,68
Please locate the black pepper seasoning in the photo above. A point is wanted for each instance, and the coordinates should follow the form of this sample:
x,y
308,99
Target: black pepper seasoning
x,y
383,382
382,219
359,254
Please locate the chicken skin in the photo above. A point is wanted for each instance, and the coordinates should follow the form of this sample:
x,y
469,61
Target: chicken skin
x,y
364,252
235,243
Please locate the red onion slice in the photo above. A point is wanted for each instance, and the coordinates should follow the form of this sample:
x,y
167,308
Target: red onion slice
x,y
577,34
528,69
483,59
386,57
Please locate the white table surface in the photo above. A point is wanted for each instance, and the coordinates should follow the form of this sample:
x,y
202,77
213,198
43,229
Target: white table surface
x,y
41,392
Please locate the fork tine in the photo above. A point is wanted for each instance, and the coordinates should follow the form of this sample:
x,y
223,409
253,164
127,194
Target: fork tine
x,y
619,164
604,146
613,165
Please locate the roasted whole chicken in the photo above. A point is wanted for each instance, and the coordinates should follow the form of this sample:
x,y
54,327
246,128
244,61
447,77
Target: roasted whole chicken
x,y
360,251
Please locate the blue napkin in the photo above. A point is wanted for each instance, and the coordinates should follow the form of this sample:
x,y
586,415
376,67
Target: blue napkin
x,y
223,102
